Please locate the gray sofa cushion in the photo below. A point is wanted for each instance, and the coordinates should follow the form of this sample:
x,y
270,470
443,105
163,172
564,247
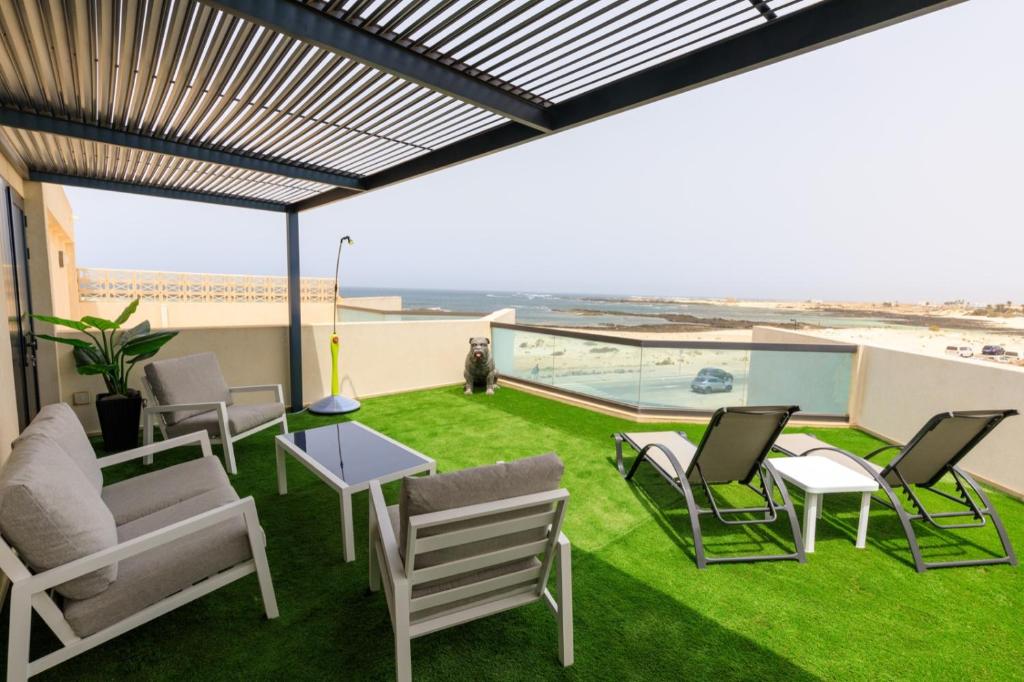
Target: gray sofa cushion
x,y
241,418
60,423
139,496
146,578
190,379
53,515
425,494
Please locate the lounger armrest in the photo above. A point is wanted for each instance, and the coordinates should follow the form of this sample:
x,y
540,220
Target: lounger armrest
x,y
389,543
882,449
157,409
245,508
196,437
277,389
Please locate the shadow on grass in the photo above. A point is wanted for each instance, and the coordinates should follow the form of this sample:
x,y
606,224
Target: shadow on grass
x,y
668,509
332,628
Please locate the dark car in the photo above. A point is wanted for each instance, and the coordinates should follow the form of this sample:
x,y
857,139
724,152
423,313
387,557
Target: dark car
x,y
993,350
711,380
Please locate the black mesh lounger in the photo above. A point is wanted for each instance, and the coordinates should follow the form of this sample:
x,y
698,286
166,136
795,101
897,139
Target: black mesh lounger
x,y
929,456
733,450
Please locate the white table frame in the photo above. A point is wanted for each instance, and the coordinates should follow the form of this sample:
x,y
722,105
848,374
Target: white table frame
x,y
820,476
344,490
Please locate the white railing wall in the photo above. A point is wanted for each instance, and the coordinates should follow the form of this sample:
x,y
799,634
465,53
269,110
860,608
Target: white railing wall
x,y
377,358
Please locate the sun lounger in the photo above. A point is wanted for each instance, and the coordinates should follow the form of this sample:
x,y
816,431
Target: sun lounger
x,y
930,456
733,450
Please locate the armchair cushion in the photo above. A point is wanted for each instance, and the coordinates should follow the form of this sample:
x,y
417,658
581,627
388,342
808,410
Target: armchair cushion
x,y
241,418
53,515
422,495
139,496
60,424
146,578
189,379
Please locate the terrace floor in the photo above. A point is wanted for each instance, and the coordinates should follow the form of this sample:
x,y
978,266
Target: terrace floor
x,y
642,609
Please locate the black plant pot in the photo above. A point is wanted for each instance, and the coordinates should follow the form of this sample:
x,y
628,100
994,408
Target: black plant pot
x,y
119,420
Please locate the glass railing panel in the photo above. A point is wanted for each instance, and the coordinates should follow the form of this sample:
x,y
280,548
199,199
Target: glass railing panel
x,y
523,355
694,378
605,370
655,375
818,381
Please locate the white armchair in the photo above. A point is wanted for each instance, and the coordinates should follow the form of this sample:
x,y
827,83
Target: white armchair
x,y
465,563
189,394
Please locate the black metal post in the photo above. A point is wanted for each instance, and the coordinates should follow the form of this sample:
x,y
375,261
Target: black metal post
x,y
294,312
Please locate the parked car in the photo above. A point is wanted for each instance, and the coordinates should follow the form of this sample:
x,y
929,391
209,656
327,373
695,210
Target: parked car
x,y
1008,356
960,351
993,350
711,380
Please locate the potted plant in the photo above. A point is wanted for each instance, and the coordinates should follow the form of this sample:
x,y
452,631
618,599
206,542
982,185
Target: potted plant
x,y
112,353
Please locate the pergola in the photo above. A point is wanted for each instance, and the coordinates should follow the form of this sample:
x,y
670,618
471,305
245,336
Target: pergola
x,y
286,105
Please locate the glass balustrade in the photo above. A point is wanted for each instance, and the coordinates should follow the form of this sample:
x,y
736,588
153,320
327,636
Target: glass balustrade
x,y
678,376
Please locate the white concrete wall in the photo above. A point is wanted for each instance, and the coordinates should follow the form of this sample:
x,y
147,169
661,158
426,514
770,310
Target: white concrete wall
x,y
376,358
900,391
896,392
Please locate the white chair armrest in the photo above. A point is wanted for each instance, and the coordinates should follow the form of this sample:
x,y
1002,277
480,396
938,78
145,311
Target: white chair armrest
x,y
392,559
156,409
276,388
562,541
46,580
200,437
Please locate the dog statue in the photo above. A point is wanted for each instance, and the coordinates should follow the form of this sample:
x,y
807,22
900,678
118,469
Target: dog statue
x,y
480,365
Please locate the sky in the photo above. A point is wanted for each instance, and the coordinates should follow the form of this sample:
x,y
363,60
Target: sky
x,y
886,167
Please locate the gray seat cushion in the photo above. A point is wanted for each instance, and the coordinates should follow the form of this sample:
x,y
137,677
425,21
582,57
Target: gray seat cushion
x,y
422,495
189,379
136,497
146,578
60,423
241,418
52,514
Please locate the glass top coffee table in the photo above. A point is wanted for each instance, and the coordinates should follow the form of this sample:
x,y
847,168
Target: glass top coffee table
x,y
347,456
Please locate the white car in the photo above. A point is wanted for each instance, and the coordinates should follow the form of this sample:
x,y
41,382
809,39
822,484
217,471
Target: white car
x,y
965,352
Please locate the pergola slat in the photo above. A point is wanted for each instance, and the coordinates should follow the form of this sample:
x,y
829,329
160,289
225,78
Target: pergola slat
x,y
45,124
794,34
361,95
315,28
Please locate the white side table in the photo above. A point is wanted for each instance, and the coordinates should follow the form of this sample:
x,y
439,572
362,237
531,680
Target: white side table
x,y
816,476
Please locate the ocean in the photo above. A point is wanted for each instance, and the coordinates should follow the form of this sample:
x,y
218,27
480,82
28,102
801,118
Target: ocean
x,y
593,310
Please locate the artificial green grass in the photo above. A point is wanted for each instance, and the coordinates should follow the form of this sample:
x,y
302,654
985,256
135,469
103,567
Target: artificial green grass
x,y
643,610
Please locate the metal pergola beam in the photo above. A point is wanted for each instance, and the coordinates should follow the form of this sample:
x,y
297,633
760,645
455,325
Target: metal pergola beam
x,y
765,10
316,28
39,123
149,190
817,26
496,139
294,310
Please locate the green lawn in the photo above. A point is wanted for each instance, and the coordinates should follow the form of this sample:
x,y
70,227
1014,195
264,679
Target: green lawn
x,y
642,609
